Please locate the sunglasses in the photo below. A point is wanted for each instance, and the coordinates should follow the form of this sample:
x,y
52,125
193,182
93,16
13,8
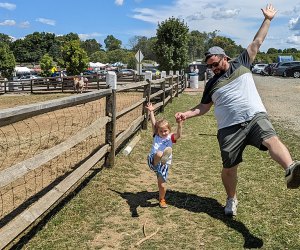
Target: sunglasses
x,y
214,64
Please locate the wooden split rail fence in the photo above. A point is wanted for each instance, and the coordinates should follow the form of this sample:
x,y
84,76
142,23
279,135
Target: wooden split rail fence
x,y
48,148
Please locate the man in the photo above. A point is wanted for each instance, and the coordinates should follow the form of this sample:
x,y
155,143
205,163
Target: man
x,y
241,116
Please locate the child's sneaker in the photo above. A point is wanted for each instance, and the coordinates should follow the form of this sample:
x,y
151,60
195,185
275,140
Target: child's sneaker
x,y
162,203
166,155
292,175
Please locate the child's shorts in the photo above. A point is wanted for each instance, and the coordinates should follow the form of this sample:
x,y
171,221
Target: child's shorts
x,y
159,169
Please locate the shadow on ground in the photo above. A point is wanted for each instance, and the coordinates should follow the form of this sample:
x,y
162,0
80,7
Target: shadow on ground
x,y
192,203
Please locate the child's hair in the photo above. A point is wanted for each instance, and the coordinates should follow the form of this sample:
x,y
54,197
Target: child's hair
x,y
162,123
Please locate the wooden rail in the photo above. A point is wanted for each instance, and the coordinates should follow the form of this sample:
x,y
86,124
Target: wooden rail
x,y
160,92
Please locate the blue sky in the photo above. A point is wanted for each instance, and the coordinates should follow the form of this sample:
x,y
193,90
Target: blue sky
x,y
125,19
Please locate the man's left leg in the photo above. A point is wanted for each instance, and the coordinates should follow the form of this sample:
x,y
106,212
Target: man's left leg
x,y
229,179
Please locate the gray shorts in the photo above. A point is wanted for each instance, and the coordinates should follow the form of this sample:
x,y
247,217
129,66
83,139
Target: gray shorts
x,y
234,139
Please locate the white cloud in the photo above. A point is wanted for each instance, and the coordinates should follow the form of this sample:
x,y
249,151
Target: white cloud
x,y
46,21
295,40
89,36
294,24
25,24
8,6
238,20
294,11
195,17
8,23
149,15
119,2
225,14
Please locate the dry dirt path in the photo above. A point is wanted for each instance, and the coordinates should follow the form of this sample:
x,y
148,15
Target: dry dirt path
x,y
281,97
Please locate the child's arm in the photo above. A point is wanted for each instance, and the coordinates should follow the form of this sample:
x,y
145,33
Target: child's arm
x,y
178,133
150,109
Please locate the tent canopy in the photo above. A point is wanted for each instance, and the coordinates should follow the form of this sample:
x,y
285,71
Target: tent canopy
x,y
96,65
22,70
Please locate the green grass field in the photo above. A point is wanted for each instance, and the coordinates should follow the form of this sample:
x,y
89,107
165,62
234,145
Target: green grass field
x,y
116,208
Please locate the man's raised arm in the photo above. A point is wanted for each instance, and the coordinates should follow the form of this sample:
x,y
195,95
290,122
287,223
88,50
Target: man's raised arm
x,y
269,12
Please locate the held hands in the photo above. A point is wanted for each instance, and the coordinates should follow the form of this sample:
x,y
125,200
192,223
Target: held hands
x,y
180,117
269,12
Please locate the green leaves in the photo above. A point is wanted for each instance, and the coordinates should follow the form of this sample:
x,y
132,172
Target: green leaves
x,y
7,60
171,46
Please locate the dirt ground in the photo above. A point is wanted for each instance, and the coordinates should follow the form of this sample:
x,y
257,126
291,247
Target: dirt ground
x,y
281,99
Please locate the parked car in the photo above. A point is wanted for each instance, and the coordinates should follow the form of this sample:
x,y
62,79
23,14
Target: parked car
x,y
292,71
282,66
126,72
257,68
268,70
59,73
28,77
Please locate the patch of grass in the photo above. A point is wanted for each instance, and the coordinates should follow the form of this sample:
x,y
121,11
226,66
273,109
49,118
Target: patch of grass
x,y
111,210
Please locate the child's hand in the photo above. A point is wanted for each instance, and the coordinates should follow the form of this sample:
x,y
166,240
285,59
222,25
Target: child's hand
x,y
180,122
180,117
149,107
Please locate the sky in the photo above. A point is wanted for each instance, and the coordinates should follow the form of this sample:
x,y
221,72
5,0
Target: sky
x,y
124,19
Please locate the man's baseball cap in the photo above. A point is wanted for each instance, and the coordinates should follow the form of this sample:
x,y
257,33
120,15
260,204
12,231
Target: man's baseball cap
x,y
216,50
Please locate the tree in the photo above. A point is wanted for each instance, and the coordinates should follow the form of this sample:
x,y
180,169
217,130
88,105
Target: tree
x,y
99,56
5,38
69,37
131,62
145,45
46,64
33,47
272,51
197,44
171,47
112,43
116,55
7,61
231,49
91,46
75,59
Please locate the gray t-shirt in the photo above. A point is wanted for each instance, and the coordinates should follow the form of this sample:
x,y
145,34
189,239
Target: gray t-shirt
x,y
234,93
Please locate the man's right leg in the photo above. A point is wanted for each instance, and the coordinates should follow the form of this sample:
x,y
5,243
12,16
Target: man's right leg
x,y
229,179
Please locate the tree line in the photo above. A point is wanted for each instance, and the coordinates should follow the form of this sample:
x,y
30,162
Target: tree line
x,y
173,47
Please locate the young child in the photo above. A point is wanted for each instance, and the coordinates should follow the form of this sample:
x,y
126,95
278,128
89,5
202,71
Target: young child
x,y
160,156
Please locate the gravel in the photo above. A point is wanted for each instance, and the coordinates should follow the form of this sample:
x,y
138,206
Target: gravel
x,y
281,98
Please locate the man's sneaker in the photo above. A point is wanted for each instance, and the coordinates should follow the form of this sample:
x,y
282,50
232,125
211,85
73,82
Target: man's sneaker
x,y
292,175
162,203
231,207
166,155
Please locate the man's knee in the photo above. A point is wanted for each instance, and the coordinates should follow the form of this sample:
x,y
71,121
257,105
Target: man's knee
x,y
230,171
272,141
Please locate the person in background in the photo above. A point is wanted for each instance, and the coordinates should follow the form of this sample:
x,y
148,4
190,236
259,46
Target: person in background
x,y
208,74
241,116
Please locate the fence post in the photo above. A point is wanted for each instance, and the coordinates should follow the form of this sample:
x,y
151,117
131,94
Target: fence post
x,y
110,110
186,82
171,84
31,86
147,93
163,95
98,80
177,84
62,84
